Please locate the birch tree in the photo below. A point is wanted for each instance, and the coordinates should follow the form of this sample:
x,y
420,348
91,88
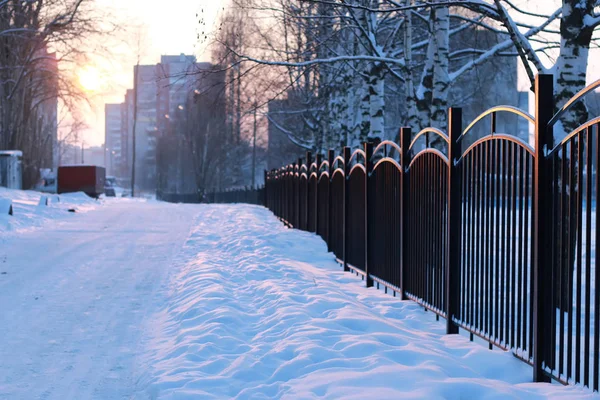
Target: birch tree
x,y
374,43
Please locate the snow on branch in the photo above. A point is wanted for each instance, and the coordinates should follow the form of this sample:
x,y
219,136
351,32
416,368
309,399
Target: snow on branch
x,y
523,45
289,134
331,60
506,44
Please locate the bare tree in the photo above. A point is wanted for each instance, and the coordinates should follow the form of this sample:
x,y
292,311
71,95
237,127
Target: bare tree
x,y
38,39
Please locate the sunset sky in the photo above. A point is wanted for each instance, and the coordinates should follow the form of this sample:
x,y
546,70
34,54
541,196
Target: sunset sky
x,y
165,27
171,28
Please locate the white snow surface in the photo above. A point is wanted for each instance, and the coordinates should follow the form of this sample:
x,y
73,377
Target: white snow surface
x,y
29,215
255,310
148,300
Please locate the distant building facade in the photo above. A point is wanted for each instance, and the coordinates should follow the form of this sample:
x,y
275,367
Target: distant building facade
x,y
113,147
163,92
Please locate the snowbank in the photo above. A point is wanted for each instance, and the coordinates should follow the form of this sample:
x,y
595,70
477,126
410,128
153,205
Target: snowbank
x,y
255,310
29,214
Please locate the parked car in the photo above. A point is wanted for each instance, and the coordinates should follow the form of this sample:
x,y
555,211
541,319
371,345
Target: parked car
x,y
81,178
46,185
109,186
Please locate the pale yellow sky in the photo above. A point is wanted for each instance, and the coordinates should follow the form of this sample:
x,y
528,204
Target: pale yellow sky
x,y
166,27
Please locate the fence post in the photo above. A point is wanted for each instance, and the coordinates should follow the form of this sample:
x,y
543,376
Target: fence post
x,y
277,193
368,146
330,159
308,165
405,134
265,198
318,162
542,224
347,155
286,188
454,220
298,222
291,200
280,193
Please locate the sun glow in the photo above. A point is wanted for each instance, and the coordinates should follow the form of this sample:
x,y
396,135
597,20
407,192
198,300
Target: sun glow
x,y
89,79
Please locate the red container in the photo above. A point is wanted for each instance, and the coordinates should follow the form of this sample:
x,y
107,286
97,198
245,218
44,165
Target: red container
x,y
81,178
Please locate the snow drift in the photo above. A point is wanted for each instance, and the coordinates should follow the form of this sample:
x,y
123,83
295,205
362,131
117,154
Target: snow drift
x,y
255,310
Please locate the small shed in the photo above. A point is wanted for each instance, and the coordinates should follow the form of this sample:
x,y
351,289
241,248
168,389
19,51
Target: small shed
x,y
11,174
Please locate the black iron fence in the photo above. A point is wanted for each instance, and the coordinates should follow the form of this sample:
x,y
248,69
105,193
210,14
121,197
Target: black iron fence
x,y
498,238
247,195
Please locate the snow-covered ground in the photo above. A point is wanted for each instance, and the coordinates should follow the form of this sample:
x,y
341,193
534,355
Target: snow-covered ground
x,y
145,300
29,214
74,294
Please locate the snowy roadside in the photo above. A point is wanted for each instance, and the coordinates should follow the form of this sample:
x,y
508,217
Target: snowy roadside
x,y
254,310
74,293
29,214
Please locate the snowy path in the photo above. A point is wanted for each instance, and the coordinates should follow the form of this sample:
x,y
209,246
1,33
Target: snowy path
x,y
74,295
254,310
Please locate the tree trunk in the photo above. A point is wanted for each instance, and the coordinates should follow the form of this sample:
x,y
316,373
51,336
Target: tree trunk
x,y
570,68
377,101
441,80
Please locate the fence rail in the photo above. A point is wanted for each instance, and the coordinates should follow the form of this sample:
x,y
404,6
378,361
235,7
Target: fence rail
x,y
498,239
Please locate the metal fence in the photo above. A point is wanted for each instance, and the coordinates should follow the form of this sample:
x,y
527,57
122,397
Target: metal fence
x,y
498,238
247,195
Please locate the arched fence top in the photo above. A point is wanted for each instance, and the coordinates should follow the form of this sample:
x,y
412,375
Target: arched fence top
x,y
388,160
338,171
313,167
323,174
498,136
355,155
432,151
303,168
382,145
494,110
572,101
570,136
359,166
429,130
338,159
325,163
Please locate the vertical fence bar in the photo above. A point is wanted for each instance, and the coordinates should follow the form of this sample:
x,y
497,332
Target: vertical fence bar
x,y
369,197
346,202
330,159
319,159
453,249
266,180
588,250
597,268
542,226
405,134
298,202
294,200
306,203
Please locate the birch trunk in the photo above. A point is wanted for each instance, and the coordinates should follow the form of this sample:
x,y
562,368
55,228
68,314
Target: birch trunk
x,y
570,68
441,80
377,101
364,128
